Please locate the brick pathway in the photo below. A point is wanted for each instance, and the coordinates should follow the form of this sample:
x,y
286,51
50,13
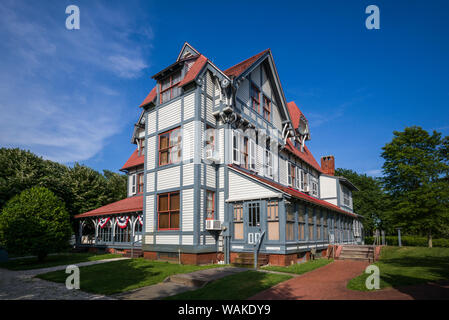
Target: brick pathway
x,y
329,283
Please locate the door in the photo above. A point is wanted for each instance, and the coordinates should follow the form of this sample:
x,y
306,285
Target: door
x,y
253,223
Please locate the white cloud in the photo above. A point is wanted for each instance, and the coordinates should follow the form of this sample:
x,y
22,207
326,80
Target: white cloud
x,y
60,90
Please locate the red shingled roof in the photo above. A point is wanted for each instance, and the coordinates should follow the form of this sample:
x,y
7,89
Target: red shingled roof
x,y
150,97
194,70
295,113
134,160
306,155
131,204
294,193
236,70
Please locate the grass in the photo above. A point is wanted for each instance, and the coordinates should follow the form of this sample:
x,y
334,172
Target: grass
x,y
124,275
54,260
402,266
300,268
238,286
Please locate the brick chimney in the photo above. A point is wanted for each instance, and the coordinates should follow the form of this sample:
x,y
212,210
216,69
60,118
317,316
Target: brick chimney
x,y
328,165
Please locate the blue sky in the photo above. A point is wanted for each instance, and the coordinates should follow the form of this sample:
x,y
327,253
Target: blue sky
x,y
74,95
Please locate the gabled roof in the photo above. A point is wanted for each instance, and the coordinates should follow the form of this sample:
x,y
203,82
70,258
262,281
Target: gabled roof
x,y
194,70
132,204
306,155
237,69
295,113
134,160
294,193
150,97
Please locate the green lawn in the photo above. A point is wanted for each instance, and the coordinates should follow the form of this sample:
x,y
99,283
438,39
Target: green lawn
x,y
238,286
54,260
300,268
124,275
407,266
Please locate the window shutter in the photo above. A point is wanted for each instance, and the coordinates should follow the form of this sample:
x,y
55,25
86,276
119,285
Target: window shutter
x,y
252,154
133,184
236,146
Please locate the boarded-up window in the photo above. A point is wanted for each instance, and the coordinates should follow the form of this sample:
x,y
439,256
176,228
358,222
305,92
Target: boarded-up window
x,y
273,219
310,220
301,222
325,226
238,221
289,226
318,226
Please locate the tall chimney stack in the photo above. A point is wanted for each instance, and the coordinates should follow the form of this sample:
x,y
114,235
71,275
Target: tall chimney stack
x,y
328,165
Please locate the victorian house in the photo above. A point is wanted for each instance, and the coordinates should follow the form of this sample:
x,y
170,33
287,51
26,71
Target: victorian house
x,y
222,168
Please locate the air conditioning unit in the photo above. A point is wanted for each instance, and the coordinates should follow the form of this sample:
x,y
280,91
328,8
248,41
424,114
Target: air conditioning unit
x,y
212,156
213,225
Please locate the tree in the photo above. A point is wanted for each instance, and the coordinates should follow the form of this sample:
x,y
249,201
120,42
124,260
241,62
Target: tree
x,y
370,201
415,175
35,221
115,186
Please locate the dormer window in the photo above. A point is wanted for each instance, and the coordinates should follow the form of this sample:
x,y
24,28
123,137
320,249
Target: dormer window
x,y
169,87
266,108
255,98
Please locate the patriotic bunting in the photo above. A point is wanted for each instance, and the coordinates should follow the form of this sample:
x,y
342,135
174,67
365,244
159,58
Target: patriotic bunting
x,y
103,221
122,221
139,218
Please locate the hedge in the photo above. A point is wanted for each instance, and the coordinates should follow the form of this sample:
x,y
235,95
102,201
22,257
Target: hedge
x,y
412,241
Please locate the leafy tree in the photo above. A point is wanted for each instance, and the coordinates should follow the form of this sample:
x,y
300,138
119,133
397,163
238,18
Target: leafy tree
x,y
36,222
370,201
116,186
415,174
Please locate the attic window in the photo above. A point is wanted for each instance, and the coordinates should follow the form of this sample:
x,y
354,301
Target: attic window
x,y
255,98
169,87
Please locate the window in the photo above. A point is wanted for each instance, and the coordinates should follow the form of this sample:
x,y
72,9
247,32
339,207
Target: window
x,y
252,154
238,221
291,175
254,214
140,183
314,185
244,153
268,165
236,146
346,197
133,184
210,205
266,108
169,87
168,211
210,138
318,226
170,147
289,226
310,219
255,98
273,219
325,226
141,147
301,222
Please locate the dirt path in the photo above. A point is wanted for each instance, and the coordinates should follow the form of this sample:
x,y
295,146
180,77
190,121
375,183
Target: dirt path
x,y
329,283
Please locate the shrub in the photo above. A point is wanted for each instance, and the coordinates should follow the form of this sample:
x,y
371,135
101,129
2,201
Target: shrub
x,y
36,222
411,241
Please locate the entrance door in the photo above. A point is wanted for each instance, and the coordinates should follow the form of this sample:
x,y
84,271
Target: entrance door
x,y
253,224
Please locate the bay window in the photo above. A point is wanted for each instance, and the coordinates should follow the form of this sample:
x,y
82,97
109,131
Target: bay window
x,y
210,204
168,211
170,147
169,87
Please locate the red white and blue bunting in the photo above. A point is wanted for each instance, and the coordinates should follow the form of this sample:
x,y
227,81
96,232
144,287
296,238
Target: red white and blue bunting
x,y
122,221
103,221
139,218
